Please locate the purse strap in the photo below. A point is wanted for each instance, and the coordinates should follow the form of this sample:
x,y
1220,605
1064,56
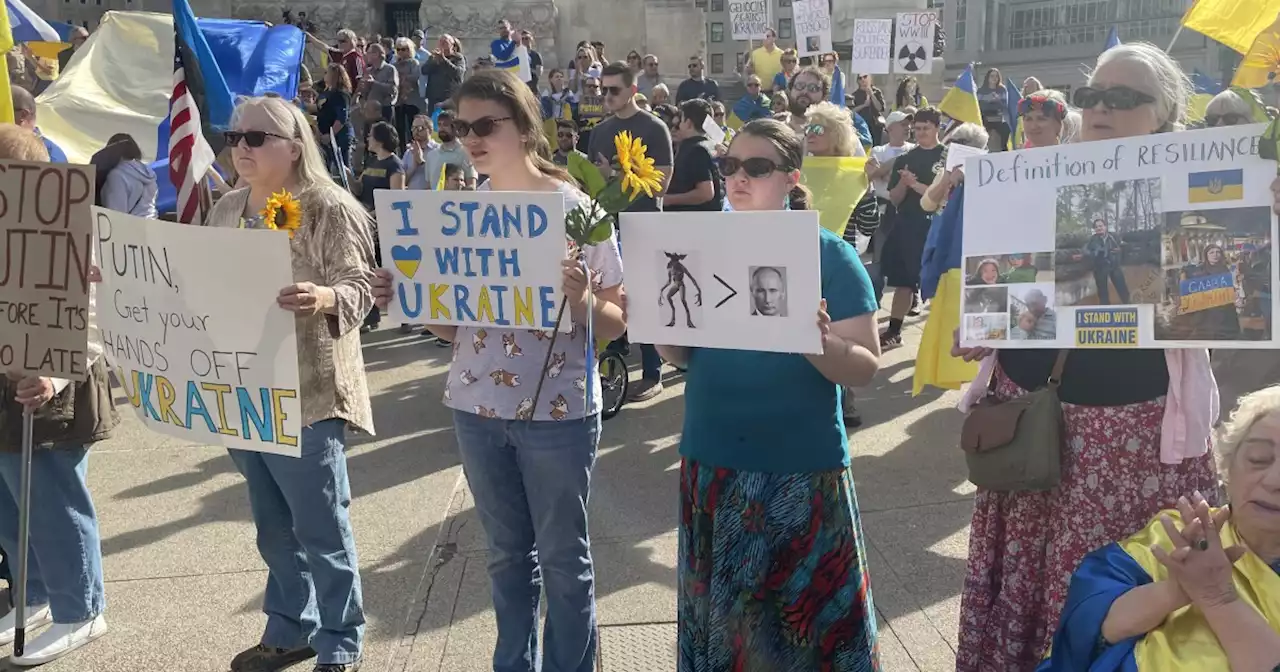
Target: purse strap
x,y
1055,375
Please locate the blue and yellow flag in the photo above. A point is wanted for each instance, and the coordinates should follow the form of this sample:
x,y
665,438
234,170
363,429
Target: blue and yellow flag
x,y
1235,23
1215,185
1262,60
1113,39
6,96
837,183
961,101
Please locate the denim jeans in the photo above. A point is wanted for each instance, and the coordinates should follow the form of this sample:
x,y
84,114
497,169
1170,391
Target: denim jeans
x,y
300,508
64,563
650,362
530,481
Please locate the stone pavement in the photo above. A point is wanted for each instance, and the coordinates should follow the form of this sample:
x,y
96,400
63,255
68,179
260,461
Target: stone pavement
x,y
184,581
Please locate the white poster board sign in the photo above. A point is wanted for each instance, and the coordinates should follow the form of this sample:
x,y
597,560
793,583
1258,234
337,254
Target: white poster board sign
x,y
1159,241
191,327
958,153
749,18
474,258
913,42
742,280
524,69
872,46
813,26
47,245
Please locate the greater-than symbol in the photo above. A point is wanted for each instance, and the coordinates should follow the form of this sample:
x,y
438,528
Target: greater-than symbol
x,y
407,259
732,292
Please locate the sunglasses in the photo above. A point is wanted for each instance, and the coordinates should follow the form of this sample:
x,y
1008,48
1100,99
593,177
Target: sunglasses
x,y
482,127
611,90
809,88
251,138
1115,98
815,129
756,167
1228,119
421,127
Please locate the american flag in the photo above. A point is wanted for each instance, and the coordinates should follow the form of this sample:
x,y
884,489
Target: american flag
x,y
190,155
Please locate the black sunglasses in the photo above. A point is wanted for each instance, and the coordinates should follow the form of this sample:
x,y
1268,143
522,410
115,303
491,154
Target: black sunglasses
x,y
251,138
611,90
755,166
1228,119
482,127
1115,98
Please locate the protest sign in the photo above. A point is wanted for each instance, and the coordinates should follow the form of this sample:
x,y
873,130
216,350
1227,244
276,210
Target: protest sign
x,y
590,111
1142,242
524,65
913,42
872,46
44,282
813,26
474,257
191,327
749,18
957,153
742,280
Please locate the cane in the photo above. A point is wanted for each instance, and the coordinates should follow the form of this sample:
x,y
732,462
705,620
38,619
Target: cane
x,y
24,532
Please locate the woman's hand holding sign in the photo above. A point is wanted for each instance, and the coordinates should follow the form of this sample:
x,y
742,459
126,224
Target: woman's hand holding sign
x,y
381,286
307,299
33,391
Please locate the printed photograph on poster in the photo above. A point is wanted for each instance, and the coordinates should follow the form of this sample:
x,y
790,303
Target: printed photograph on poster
x,y
1007,269
812,19
474,258
1217,272
743,280
986,299
748,19
872,48
1031,313
913,42
1108,243
201,354
991,327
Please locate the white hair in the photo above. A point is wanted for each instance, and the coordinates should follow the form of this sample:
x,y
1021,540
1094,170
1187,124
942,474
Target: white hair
x,y
1252,408
659,87
1173,88
404,42
1072,124
972,135
1229,102
349,34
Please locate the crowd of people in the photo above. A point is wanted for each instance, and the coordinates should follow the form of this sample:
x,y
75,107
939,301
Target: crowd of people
x,y
771,562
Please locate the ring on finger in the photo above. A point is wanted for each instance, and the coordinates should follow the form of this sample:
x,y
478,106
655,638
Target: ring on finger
x,y
1201,545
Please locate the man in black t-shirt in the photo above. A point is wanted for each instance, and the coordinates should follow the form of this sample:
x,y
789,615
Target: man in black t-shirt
x,y
698,85
912,174
695,179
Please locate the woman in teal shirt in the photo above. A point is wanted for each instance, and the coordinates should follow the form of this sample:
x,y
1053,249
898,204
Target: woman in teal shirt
x,y
772,563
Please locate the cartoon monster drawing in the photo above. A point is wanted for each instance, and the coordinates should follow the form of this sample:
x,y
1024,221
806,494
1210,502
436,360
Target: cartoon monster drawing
x,y
504,377
477,340
557,365
525,410
486,412
467,377
677,273
509,346
559,407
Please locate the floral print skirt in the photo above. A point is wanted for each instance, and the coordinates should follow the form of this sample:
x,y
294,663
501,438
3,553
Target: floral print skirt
x,y
1024,546
773,573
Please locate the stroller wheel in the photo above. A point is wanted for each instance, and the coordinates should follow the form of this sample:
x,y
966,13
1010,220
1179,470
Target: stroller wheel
x,y
614,381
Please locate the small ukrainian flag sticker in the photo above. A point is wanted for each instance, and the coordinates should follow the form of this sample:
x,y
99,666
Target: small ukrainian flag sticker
x,y
1215,185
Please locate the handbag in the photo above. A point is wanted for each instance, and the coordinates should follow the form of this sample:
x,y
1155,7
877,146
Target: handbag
x,y
1016,444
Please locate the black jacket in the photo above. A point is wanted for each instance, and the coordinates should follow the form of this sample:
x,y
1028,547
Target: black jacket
x,y
444,75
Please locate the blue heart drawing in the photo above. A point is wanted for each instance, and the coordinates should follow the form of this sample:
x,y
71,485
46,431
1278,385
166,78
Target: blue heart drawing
x,y
407,259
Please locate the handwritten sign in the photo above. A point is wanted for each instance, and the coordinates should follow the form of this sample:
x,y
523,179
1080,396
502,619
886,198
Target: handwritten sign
x,y
913,43
191,328
749,18
813,26
1211,291
44,274
474,258
591,110
872,46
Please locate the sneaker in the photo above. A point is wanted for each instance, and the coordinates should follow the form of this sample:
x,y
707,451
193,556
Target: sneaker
x,y
915,305
645,390
852,418
36,617
268,659
406,328
440,342
59,640
367,328
890,339
335,667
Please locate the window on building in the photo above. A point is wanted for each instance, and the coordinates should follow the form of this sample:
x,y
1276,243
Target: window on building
x,y
717,64
700,4
784,3
717,32
717,5
961,30
784,29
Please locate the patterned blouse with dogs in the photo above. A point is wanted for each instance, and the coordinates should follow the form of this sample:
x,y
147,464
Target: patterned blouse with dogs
x,y
495,370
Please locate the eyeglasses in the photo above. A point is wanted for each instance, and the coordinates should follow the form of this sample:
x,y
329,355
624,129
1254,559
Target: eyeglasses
x,y
1228,119
403,49
1115,98
482,127
420,127
815,129
756,166
251,138
611,90
812,87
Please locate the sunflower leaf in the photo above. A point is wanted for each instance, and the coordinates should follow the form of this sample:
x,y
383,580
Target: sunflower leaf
x,y
613,199
601,231
586,173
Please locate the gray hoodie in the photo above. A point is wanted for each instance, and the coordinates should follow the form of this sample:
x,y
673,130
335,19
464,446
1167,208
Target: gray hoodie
x,y
131,188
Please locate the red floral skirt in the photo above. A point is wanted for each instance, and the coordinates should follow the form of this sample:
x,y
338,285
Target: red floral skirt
x,y
1024,546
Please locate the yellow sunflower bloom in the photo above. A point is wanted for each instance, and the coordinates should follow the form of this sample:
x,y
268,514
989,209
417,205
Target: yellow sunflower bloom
x,y
282,212
638,171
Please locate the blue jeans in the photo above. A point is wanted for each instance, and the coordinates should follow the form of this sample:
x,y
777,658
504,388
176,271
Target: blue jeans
x,y
530,481
650,362
64,563
300,508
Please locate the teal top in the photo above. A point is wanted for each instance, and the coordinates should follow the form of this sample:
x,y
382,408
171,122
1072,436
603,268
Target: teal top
x,y
775,412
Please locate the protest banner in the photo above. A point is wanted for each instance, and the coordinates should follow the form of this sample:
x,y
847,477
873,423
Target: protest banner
x,y
812,26
748,18
590,111
1142,242
741,280
872,46
48,253
474,257
191,327
913,42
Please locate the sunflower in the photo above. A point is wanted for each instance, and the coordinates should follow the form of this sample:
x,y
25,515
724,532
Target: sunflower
x,y
282,212
638,173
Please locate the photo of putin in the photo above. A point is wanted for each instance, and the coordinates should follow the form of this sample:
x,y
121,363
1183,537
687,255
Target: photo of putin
x,y
769,291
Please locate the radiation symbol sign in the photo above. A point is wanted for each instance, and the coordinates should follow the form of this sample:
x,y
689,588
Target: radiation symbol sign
x,y
912,57
913,41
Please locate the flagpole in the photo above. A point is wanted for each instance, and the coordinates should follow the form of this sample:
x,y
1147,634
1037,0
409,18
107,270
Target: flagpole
x,y
1176,33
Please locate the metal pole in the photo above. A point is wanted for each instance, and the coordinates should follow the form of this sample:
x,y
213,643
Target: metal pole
x,y
24,532
1176,33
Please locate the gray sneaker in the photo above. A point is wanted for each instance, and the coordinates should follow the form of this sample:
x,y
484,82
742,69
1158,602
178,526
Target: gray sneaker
x,y
645,390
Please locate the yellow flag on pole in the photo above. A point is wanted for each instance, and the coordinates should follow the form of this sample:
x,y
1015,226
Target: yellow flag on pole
x,y
1262,60
6,96
837,183
1235,23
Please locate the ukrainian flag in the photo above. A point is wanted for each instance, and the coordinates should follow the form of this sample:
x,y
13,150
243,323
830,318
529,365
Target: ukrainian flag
x,y
1235,23
961,101
1215,185
837,183
1260,63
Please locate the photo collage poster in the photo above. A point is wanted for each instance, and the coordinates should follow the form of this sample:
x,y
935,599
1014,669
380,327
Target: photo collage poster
x,y
1160,241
